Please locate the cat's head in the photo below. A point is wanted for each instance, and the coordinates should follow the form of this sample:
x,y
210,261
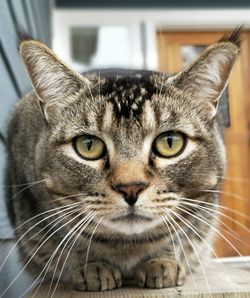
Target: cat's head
x,y
129,144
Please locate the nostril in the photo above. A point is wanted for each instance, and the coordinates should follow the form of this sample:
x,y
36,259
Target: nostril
x,y
130,190
131,200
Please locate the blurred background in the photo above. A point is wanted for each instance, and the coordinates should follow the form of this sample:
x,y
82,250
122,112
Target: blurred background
x,y
143,34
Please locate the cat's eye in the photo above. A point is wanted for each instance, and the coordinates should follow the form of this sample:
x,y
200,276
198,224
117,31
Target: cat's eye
x,y
169,144
89,147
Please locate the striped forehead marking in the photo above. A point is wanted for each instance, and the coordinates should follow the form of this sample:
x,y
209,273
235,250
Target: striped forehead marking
x,y
128,95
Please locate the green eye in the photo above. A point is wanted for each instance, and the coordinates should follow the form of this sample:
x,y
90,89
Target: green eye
x,y
89,147
169,144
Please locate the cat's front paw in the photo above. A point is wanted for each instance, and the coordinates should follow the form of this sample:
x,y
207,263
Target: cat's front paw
x,y
160,273
98,276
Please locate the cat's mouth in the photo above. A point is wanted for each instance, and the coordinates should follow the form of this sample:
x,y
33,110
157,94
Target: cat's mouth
x,y
131,221
131,216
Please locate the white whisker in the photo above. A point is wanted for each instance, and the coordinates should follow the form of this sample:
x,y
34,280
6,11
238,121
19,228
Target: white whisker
x,y
38,215
23,189
218,206
25,266
69,235
72,245
23,235
90,239
216,230
24,184
195,251
194,229
236,196
209,211
182,248
69,196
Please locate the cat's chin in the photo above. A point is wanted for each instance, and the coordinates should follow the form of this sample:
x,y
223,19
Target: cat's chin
x,y
131,223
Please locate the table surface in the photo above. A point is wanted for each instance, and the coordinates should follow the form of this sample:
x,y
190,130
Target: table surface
x,y
224,278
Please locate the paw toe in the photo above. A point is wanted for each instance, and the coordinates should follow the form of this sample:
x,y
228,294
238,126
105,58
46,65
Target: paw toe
x,y
159,273
101,277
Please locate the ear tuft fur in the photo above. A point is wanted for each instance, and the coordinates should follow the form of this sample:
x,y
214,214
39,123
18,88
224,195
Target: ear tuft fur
x,y
233,37
22,36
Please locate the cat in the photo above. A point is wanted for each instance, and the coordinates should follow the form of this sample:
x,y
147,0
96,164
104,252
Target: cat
x,y
114,171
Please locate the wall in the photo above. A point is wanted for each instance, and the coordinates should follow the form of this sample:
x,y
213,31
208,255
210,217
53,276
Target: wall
x,y
31,17
142,25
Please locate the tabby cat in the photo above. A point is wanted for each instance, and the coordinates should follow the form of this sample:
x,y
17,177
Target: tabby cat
x,y
114,171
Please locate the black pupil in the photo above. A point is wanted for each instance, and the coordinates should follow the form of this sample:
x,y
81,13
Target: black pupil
x,y
89,143
170,141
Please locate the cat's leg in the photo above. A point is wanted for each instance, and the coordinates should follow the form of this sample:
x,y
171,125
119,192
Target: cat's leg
x,y
96,276
160,272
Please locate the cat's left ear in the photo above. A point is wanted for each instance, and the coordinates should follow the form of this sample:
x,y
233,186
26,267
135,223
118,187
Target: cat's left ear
x,y
206,79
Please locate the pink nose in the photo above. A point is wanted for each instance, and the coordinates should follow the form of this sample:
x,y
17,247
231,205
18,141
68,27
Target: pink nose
x,y
130,190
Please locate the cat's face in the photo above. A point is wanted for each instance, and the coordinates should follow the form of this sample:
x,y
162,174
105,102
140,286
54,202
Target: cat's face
x,y
130,145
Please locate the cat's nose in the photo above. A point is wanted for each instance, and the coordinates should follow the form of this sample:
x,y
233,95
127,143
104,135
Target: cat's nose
x,y
130,191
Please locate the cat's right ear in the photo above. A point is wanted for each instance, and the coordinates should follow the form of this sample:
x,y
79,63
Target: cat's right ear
x,y
53,81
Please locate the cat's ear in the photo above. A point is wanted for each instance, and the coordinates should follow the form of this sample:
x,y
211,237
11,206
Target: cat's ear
x,y
52,79
206,79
